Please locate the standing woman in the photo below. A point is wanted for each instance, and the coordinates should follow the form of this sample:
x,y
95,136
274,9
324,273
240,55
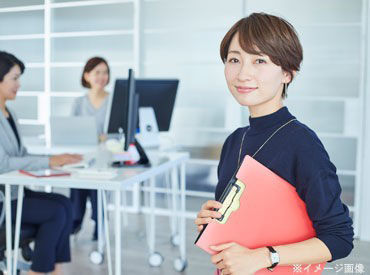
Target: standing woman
x,y
50,213
95,77
262,54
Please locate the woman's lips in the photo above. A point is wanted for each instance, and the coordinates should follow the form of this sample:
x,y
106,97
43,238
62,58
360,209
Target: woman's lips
x,y
245,90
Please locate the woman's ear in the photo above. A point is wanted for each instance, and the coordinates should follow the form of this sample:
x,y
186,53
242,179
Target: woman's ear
x,y
87,77
289,77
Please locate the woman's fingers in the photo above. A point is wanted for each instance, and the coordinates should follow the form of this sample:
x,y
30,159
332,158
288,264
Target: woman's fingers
x,y
209,213
201,221
206,214
211,205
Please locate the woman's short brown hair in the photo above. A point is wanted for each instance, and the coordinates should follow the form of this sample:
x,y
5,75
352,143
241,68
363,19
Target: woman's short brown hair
x,y
261,33
89,66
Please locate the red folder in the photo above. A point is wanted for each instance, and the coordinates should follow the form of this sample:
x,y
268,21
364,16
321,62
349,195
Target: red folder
x,y
45,173
266,210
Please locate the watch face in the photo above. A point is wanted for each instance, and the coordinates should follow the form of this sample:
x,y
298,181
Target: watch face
x,y
275,258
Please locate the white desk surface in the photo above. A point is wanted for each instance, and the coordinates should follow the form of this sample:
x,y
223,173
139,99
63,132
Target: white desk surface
x,y
161,162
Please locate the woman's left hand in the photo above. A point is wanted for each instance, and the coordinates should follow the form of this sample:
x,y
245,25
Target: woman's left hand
x,y
238,260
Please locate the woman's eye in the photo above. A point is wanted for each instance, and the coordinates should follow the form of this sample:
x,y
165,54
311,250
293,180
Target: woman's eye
x,y
260,61
233,60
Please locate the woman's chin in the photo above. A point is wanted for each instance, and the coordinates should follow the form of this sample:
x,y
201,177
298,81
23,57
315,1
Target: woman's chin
x,y
12,97
247,102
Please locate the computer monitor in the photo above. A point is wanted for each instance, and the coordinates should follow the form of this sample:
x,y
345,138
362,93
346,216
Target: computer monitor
x,y
160,94
123,111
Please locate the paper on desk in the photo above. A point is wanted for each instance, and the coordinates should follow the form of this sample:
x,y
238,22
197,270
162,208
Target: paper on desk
x,y
95,173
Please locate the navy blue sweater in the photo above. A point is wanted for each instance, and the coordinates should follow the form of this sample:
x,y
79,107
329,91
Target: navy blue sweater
x,y
297,155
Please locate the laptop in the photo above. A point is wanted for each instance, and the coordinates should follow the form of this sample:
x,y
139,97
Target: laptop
x,y
73,131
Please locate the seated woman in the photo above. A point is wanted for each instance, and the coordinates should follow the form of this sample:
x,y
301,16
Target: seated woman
x,y
50,213
95,77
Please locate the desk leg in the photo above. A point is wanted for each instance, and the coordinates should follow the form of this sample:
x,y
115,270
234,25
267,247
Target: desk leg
x,y
117,212
136,197
155,259
8,221
175,207
124,207
100,223
183,211
106,230
17,228
182,218
152,217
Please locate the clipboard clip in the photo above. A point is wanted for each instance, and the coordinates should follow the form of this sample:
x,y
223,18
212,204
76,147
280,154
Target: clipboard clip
x,y
231,199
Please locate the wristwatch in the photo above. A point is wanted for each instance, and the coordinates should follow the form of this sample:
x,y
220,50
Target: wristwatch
x,y
274,257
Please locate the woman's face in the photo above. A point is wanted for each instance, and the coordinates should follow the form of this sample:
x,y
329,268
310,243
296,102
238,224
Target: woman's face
x,y
98,77
10,84
254,80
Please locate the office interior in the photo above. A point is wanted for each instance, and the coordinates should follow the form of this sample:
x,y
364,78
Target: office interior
x,y
174,39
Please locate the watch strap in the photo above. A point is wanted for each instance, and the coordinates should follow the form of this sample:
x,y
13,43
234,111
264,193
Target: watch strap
x,y
274,263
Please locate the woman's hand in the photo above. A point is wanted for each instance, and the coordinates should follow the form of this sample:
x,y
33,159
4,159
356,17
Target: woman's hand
x,y
60,160
206,213
238,260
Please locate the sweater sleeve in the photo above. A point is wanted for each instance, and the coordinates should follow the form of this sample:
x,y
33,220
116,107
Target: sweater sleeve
x,y
318,186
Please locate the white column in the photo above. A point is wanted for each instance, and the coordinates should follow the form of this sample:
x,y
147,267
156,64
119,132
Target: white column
x,y
364,192
137,38
47,59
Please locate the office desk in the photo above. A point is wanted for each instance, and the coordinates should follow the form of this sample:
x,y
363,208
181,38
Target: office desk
x,y
161,164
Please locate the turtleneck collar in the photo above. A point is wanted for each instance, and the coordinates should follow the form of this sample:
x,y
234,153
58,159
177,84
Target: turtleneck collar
x,y
258,124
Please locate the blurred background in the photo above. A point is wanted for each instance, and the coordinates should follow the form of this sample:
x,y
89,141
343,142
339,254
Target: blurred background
x,y
180,39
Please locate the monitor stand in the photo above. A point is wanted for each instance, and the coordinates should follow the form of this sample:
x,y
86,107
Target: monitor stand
x,y
149,134
142,162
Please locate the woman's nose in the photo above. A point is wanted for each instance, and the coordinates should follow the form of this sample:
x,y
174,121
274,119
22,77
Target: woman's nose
x,y
246,72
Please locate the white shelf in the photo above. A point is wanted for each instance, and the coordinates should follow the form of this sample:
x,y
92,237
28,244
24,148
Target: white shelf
x,y
30,93
87,3
23,8
195,63
91,33
321,25
30,122
22,36
175,30
321,98
347,172
67,94
72,64
336,135
35,65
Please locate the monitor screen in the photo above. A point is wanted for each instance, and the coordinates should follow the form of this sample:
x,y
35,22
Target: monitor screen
x,y
160,94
